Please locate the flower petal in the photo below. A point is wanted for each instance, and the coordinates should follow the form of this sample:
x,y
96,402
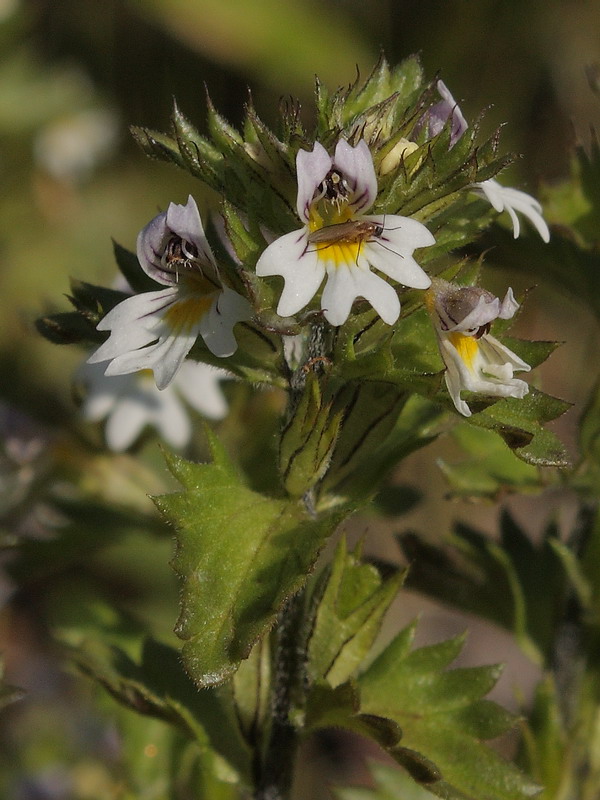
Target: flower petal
x,y
129,418
311,169
216,327
440,113
356,164
505,198
185,222
200,385
133,323
291,257
391,252
345,283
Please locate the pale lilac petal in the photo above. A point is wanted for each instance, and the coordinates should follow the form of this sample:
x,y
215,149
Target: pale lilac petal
x,y
185,222
509,305
441,112
484,312
311,169
291,257
356,165
151,242
200,385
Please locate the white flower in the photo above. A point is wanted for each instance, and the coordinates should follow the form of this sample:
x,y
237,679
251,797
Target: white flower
x,y
156,330
475,361
131,402
340,242
502,198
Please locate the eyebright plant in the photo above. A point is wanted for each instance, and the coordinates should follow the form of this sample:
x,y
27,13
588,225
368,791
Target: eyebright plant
x,y
333,272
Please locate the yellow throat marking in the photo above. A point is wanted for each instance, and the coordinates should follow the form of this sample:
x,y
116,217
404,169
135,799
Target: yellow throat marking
x,y
336,253
466,347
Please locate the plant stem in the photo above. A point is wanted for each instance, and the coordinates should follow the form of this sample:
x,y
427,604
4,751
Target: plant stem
x,y
275,769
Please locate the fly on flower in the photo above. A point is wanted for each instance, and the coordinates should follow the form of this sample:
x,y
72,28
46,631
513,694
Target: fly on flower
x,y
475,361
339,242
156,330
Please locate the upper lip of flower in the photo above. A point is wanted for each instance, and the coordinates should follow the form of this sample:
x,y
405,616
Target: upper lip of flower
x,y
173,243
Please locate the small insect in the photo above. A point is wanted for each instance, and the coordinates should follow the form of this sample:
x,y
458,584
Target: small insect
x,y
353,231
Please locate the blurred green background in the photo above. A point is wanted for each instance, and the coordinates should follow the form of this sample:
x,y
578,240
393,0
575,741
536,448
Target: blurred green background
x,y
74,74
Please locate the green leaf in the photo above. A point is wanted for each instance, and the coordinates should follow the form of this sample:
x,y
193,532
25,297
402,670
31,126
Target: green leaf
x,y
545,746
418,423
518,585
429,704
349,616
339,707
158,687
519,421
308,440
239,554
489,467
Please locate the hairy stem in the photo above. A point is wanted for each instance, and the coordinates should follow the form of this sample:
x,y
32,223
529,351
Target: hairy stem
x,y
274,771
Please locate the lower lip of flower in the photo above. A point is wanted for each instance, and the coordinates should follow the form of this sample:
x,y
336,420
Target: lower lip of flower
x,y
466,347
184,315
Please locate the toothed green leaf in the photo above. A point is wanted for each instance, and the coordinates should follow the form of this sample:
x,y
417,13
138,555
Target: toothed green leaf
x,y
439,713
239,555
349,615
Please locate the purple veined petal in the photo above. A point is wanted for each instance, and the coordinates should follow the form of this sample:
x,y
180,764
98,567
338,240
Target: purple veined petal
x,y
163,357
133,323
185,222
509,305
356,165
151,242
303,271
311,169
